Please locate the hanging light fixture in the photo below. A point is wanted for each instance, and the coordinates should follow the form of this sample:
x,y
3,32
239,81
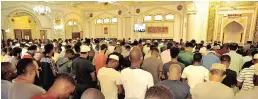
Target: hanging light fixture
x,y
58,24
42,10
106,2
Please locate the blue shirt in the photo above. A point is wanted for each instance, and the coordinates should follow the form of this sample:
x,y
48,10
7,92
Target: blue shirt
x,y
209,59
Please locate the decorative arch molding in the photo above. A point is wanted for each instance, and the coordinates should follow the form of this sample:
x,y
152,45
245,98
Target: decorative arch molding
x,y
79,19
147,12
105,13
24,10
240,22
10,11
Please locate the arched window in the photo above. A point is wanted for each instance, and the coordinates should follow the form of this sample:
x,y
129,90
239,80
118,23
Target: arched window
x,y
106,20
72,23
113,20
170,17
147,18
158,18
99,21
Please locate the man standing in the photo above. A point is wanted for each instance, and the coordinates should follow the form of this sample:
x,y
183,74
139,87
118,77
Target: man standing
x,y
64,63
179,89
245,77
31,52
8,72
174,51
135,80
101,58
62,88
236,59
186,57
209,59
49,71
213,89
110,79
16,55
195,74
153,65
230,79
165,55
84,71
250,63
126,52
23,87
118,51
250,94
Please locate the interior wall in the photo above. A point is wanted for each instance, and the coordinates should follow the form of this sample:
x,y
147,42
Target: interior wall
x,y
124,28
114,30
175,28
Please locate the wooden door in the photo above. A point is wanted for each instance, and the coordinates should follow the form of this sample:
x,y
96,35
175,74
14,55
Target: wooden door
x,y
27,34
76,35
18,34
43,34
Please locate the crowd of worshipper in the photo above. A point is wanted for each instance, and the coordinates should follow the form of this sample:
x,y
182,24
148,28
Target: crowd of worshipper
x,y
124,69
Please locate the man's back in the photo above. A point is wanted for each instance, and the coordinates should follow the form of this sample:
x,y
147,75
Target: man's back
x,y
64,65
167,65
136,82
82,69
247,94
180,90
153,65
230,79
186,57
209,59
236,61
24,91
5,87
195,75
99,61
212,90
165,56
109,78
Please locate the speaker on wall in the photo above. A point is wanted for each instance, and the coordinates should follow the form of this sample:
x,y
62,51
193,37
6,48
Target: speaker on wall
x,y
138,10
91,15
179,7
119,12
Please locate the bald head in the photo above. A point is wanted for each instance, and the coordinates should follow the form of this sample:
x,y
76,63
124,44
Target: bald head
x,y
174,72
135,54
92,93
8,71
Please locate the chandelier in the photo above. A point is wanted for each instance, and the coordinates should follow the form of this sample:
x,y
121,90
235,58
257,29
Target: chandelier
x,y
106,2
58,25
42,10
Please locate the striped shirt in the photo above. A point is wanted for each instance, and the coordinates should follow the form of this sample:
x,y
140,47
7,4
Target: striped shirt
x,y
246,76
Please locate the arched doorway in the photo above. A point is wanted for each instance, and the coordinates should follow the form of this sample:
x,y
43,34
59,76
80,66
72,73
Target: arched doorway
x,y
233,32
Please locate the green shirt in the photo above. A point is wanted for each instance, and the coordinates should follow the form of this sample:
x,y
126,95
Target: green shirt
x,y
186,57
